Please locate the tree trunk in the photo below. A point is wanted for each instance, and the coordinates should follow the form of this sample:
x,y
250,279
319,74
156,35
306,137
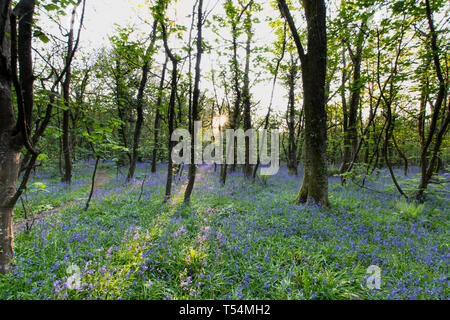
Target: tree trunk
x,y
234,123
12,133
67,172
266,121
67,178
139,122
402,155
157,117
347,154
91,193
223,173
171,129
292,143
351,118
246,97
354,102
25,50
171,112
427,162
195,103
119,95
315,181
9,166
387,138
140,105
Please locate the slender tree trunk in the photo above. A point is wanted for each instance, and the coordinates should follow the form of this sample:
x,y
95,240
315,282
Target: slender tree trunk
x,y
223,173
354,101
195,102
427,162
402,155
158,117
439,165
73,138
140,106
91,193
238,99
120,105
171,129
246,97
347,154
75,116
60,154
171,113
292,143
67,178
351,117
25,50
388,136
266,122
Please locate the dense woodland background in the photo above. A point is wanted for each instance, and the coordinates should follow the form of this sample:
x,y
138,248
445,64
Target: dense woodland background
x,y
364,112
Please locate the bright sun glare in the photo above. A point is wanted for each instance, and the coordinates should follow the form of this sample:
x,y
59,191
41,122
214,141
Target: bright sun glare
x,y
220,121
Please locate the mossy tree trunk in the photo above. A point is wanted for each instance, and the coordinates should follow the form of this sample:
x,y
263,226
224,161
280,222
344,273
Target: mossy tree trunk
x,y
314,62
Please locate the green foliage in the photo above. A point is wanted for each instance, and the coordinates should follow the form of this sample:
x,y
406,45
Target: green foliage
x,y
408,210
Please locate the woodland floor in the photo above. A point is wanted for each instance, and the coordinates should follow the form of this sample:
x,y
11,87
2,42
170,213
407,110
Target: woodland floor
x,y
241,241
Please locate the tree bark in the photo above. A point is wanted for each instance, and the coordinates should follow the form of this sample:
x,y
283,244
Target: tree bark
x,y
351,114
91,193
427,163
246,99
234,123
171,112
158,117
120,105
402,155
10,148
195,102
347,154
13,135
67,178
315,182
140,105
292,143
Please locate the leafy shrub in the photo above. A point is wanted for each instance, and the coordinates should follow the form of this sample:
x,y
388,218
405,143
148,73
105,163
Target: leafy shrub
x,y
408,210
